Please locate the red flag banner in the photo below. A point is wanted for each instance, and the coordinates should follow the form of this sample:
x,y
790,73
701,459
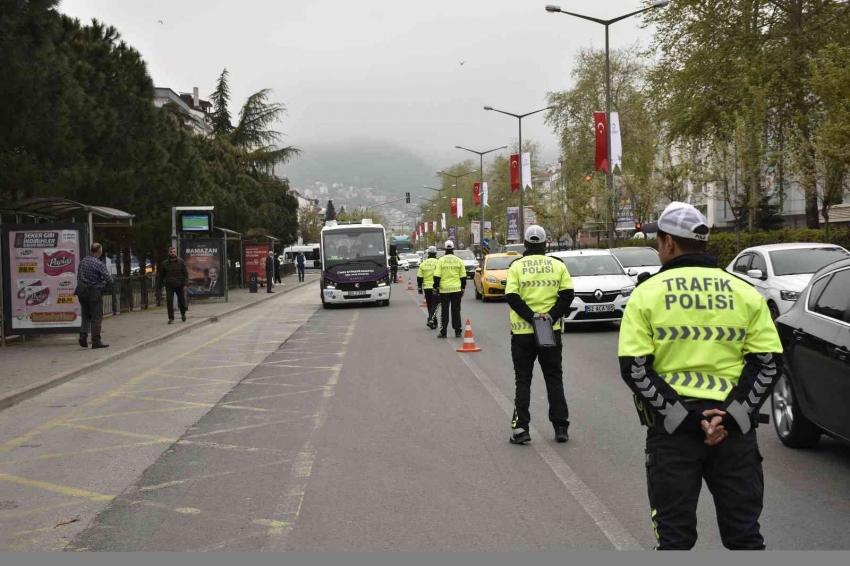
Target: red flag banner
x,y
514,172
454,207
476,193
601,126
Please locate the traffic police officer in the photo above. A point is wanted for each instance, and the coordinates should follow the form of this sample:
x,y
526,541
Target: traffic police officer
x,y
450,283
425,280
537,285
701,354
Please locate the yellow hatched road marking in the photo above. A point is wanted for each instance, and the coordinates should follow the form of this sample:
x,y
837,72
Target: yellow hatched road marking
x,y
64,490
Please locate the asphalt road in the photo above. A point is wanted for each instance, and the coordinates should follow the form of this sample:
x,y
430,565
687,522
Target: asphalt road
x,y
302,429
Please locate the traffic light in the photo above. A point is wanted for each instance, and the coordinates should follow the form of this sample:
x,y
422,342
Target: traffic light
x,y
407,197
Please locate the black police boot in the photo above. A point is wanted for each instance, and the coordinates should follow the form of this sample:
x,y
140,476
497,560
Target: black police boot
x,y
84,340
561,434
520,436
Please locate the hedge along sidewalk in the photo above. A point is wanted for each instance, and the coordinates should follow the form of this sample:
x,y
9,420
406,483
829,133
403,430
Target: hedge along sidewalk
x,y
727,245
38,364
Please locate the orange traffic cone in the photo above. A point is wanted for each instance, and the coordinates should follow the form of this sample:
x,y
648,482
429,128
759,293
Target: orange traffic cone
x,y
424,302
468,340
410,285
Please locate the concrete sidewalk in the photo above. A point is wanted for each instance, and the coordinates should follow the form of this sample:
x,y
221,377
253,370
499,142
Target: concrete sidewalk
x,y
42,362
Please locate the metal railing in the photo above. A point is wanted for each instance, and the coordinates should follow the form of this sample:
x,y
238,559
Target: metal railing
x,y
127,294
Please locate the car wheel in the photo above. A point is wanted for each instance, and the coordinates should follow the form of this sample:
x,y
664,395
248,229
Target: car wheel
x,y
385,303
792,427
774,310
478,296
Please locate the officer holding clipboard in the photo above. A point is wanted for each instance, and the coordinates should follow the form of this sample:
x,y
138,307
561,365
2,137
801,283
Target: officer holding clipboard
x,y
539,292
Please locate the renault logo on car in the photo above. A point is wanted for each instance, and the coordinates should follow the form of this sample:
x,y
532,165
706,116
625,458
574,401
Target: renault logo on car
x,y
598,295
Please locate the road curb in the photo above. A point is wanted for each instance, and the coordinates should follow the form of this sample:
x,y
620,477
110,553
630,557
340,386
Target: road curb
x,y
17,396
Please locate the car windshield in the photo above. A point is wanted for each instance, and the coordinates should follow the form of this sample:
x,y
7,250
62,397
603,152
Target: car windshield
x,y
500,262
354,243
412,256
804,260
637,258
465,254
591,265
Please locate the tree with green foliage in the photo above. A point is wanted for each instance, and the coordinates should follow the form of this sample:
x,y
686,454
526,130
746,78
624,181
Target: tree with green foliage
x,y
330,211
220,98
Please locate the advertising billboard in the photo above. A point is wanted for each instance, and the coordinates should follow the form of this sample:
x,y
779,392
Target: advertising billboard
x,y
255,260
203,257
40,263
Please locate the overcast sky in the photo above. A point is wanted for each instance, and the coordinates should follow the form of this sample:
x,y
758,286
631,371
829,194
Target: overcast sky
x,y
385,69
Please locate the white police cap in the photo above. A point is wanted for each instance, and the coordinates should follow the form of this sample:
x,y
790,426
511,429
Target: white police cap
x,y
681,219
449,245
535,234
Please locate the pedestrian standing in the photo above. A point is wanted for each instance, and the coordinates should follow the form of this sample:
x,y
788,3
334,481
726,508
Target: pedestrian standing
x,y
300,260
425,282
277,268
394,267
450,283
174,276
701,354
538,287
92,278
270,273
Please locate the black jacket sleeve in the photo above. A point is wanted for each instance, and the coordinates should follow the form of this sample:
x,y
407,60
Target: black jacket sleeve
x,y
657,395
436,283
565,299
419,281
520,307
759,377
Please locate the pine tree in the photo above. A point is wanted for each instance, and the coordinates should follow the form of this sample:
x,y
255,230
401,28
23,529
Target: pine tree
x,y
220,98
330,211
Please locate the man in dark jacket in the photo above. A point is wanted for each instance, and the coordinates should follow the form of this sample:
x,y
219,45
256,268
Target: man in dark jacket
x,y
174,276
276,268
300,260
270,272
92,277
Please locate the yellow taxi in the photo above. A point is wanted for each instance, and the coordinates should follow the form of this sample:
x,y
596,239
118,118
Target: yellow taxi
x,y
491,278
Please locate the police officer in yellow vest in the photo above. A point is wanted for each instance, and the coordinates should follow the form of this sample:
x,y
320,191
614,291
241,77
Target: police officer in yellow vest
x,y
450,283
537,285
701,354
425,280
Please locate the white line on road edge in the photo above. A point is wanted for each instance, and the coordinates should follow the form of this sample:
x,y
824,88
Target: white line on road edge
x,y
604,519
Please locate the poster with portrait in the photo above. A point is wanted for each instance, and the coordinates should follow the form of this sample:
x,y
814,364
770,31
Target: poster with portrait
x,y
40,263
203,257
255,260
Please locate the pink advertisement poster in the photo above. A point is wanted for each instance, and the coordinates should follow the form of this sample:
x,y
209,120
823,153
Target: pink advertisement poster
x,y
41,277
255,260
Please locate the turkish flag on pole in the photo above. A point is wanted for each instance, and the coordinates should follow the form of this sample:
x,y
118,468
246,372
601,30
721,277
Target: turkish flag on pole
x,y
476,193
601,127
454,207
514,172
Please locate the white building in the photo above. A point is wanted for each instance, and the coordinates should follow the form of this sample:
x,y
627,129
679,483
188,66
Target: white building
x,y
197,111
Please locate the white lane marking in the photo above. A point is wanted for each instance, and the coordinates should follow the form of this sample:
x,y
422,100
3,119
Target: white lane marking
x,y
610,526
606,521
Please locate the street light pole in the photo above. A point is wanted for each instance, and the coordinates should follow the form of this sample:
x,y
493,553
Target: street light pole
x,y
481,155
609,177
456,185
519,117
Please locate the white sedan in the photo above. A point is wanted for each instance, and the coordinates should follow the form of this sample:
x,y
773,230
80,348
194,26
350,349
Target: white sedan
x,y
638,260
403,263
781,271
602,287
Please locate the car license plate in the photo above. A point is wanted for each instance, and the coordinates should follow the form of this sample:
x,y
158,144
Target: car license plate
x,y
599,308
358,293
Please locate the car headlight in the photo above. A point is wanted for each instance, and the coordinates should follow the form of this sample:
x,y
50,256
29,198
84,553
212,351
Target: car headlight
x,y
330,284
789,295
626,291
491,279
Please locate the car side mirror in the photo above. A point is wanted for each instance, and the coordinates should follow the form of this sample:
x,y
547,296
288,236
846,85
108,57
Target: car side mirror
x,y
632,272
478,270
755,274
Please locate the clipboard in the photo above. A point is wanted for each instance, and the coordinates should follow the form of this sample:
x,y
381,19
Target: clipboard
x,y
544,334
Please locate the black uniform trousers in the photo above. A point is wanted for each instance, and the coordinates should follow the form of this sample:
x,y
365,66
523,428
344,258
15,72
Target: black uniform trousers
x,y
169,300
431,301
524,351
269,281
394,269
677,464
91,310
450,302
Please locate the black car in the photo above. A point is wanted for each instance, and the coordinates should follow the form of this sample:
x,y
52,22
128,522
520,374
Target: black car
x,y
812,396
